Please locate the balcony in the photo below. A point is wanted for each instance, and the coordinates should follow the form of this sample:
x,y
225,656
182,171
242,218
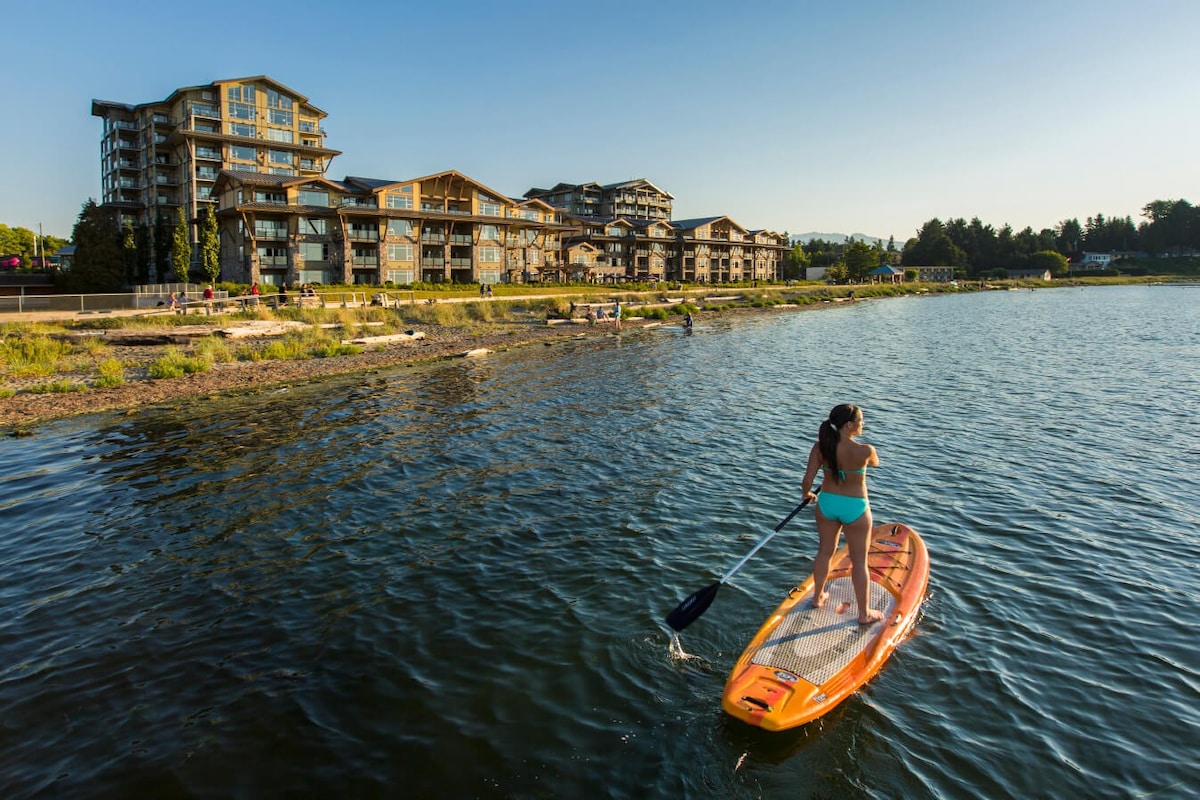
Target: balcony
x,y
363,235
270,232
433,238
433,262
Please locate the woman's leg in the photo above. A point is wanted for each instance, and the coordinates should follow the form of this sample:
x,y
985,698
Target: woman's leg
x,y
828,533
858,542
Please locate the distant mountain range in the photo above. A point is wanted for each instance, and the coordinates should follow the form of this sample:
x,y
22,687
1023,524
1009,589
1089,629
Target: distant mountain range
x,y
838,238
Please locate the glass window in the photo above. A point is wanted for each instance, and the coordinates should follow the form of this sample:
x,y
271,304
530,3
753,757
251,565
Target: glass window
x,y
240,152
279,135
276,99
400,252
488,208
241,111
242,93
399,201
489,255
314,225
490,232
313,197
270,197
241,129
314,251
279,156
400,227
281,171
277,117
400,276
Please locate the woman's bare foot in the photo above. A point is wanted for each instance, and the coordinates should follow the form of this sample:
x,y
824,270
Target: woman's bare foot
x,y
819,600
872,615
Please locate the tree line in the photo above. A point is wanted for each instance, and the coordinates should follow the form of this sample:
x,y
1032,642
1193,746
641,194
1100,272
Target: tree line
x,y
110,257
1171,228
25,244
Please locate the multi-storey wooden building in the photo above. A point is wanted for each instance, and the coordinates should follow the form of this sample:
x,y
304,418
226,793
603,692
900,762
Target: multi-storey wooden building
x,y
634,199
255,150
438,228
707,250
157,157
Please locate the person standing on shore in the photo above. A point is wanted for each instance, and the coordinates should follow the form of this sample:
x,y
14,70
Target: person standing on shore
x,y
617,314
842,503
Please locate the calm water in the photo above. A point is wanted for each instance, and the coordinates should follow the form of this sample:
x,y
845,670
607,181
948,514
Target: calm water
x,y
449,581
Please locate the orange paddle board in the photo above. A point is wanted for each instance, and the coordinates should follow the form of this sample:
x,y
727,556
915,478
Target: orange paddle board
x,y
804,661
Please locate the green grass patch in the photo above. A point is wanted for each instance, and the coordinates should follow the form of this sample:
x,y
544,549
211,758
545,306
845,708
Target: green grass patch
x,y
110,373
175,364
32,356
60,386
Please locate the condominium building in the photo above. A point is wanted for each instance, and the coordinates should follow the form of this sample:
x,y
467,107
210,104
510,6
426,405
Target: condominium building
x,y
159,156
437,228
633,199
254,150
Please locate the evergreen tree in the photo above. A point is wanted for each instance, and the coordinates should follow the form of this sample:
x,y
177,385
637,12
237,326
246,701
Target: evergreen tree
x,y
210,245
162,248
99,263
129,253
181,248
860,259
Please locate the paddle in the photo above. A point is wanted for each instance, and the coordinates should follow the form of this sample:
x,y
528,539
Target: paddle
x,y
696,604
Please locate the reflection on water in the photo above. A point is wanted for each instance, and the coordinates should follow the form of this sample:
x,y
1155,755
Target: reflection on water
x,y
453,577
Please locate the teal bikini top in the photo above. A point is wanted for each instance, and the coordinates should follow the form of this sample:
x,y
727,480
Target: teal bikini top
x,y
842,473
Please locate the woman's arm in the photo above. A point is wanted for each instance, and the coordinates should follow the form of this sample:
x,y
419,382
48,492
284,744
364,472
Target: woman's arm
x,y
810,472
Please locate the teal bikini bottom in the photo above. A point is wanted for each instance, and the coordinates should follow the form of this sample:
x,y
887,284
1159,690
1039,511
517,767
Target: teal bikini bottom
x,y
840,508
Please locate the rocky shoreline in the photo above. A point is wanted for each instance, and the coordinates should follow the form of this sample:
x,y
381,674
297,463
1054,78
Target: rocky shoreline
x,y
26,409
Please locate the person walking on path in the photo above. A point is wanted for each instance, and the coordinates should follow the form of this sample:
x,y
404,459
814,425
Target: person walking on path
x,y
842,504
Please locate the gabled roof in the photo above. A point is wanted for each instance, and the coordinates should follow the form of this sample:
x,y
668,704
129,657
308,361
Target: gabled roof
x,y
249,178
637,182
533,201
452,173
563,187
692,224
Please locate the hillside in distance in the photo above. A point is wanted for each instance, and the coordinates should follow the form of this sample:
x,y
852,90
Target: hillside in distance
x,y
838,238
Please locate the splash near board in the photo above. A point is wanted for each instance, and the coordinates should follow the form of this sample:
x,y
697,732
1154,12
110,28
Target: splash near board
x,y
804,661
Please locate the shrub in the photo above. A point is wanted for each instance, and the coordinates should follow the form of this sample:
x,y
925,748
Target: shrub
x,y
110,372
33,356
61,386
174,364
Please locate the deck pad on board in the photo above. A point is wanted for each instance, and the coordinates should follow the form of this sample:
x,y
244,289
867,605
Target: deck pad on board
x,y
816,643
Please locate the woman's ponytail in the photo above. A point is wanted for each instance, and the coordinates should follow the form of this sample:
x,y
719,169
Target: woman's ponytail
x,y
830,433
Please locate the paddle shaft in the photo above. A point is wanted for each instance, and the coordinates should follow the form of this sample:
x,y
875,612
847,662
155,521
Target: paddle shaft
x,y
768,538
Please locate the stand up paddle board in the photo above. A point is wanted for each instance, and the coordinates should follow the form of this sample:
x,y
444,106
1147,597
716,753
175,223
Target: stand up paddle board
x,y
804,661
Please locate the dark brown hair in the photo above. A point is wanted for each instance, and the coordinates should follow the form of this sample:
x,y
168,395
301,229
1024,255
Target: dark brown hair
x,y
829,435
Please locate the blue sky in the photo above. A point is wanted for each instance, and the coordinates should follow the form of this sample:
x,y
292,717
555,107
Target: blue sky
x,y
867,116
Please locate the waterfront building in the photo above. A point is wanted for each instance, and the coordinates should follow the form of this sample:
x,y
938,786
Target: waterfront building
x,y
632,199
254,151
705,250
438,228
159,156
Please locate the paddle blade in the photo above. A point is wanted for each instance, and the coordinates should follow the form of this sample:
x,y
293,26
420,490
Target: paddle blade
x,y
690,609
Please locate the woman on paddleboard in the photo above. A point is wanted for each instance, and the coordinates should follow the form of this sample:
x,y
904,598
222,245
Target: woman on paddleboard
x,y
842,504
